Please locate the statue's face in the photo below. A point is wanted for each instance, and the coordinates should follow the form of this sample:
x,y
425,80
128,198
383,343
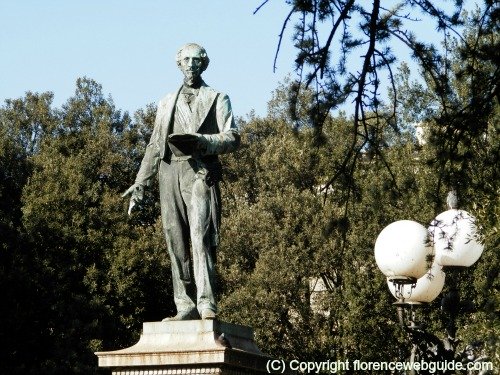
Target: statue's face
x,y
191,63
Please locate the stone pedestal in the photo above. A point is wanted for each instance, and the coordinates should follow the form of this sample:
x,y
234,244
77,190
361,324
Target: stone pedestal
x,y
188,347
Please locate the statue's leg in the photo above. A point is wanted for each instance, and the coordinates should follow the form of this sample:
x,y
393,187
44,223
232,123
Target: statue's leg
x,y
197,196
176,229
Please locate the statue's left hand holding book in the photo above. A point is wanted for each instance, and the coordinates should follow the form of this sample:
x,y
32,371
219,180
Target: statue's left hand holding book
x,y
183,144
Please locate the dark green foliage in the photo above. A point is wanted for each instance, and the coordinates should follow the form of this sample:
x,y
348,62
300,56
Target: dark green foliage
x,y
371,174
80,276
284,230
22,123
281,234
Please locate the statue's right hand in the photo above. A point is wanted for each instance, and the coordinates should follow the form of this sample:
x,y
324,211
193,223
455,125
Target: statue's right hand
x,y
131,206
130,190
136,192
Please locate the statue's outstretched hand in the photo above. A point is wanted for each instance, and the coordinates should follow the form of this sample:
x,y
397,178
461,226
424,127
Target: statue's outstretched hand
x,y
136,192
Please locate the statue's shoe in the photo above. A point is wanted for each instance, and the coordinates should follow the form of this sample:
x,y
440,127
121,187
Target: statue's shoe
x,y
208,314
183,315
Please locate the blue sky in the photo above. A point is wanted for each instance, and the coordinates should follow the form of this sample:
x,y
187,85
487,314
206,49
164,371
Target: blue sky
x,y
128,46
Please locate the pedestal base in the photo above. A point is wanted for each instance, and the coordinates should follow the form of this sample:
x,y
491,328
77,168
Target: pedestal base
x,y
188,347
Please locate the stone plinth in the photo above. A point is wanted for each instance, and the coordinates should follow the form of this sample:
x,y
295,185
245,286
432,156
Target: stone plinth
x,y
188,347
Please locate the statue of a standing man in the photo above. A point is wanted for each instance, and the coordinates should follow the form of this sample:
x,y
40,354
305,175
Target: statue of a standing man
x,y
193,125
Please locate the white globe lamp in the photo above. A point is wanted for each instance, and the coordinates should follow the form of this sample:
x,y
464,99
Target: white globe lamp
x,y
455,238
426,289
403,251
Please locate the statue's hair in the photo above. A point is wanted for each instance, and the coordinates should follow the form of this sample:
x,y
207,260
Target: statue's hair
x,y
203,54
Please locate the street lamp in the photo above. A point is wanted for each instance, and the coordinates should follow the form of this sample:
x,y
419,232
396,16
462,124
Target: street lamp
x,y
414,260
455,237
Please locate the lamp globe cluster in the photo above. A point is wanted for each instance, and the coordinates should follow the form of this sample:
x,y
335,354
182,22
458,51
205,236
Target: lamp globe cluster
x,y
412,256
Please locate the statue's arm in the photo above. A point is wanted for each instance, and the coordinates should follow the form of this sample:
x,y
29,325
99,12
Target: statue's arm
x,y
228,137
151,159
149,166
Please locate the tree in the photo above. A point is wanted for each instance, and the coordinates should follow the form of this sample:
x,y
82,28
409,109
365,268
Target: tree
x,y
328,33
455,102
281,236
81,276
285,230
461,150
22,124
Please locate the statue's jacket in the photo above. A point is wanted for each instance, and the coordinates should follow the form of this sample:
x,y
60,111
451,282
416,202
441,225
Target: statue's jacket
x,y
212,117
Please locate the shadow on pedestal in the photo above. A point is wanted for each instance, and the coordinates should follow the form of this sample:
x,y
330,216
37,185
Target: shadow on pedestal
x,y
188,347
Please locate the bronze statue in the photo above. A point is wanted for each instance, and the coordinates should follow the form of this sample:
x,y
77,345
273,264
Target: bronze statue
x,y
192,127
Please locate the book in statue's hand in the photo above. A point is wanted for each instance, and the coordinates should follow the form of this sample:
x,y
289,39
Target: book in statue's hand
x,y
183,144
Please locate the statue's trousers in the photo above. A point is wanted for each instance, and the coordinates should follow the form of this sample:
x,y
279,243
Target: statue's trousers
x,y
186,211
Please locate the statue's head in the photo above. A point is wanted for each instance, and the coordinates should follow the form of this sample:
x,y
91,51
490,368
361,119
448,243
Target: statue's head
x,y
192,59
